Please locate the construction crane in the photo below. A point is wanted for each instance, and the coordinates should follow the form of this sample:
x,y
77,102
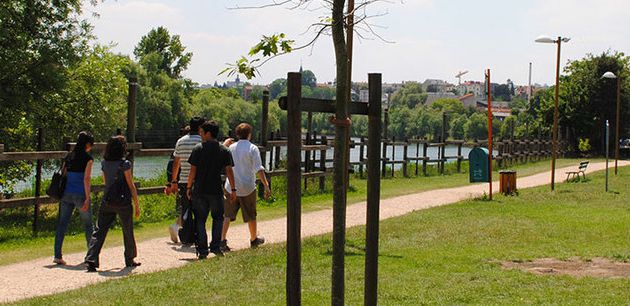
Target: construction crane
x,y
459,76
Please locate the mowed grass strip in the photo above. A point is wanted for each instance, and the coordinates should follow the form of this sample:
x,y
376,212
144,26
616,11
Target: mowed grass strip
x,y
17,244
443,255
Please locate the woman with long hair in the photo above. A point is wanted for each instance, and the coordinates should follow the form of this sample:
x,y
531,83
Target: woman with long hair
x,y
78,170
117,200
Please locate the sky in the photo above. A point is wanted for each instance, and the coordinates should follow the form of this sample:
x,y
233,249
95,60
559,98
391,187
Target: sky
x,y
421,38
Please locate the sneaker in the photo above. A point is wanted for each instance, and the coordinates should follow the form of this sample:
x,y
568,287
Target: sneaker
x,y
217,253
202,257
91,267
256,242
224,247
174,231
59,261
133,264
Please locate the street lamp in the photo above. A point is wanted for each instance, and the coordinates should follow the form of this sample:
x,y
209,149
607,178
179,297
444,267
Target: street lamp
x,y
554,149
610,75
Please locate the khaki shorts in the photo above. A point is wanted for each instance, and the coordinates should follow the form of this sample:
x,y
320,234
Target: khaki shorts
x,y
246,203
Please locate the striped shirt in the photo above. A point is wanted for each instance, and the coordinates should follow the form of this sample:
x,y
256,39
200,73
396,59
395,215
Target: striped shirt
x,y
183,148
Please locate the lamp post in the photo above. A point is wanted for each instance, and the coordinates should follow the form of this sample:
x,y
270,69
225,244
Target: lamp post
x,y
554,144
610,75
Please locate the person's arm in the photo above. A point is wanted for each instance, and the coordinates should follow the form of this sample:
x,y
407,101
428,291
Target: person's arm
x,y
87,180
134,192
191,180
229,172
261,171
176,166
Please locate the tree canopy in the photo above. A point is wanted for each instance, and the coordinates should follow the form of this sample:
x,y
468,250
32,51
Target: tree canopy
x,y
159,51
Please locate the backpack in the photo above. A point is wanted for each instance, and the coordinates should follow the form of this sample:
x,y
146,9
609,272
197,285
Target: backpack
x,y
187,233
118,194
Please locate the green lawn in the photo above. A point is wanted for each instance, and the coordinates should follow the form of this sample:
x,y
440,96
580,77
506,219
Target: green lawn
x,y
17,244
443,255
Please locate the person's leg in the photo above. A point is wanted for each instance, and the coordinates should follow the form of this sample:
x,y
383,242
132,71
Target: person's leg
x,y
230,210
65,212
200,213
105,220
126,220
248,204
217,209
86,219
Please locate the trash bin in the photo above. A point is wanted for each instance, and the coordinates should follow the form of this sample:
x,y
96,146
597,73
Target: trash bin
x,y
507,185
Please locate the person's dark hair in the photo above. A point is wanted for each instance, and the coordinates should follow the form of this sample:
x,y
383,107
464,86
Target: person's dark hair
x,y
195,123
184,130
82,140
211,127
116,148
243,130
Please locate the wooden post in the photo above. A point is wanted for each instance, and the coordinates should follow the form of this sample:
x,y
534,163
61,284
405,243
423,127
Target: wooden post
x,y
271,152
264,126
417,155
294,192
322,165
425,148
38,180
361,155
443,148
459,157
384,155
373,191
405,147
489,132
618,121
307,158
131,115
277,154
393,154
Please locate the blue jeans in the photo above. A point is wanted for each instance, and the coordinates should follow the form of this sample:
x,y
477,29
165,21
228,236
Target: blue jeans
x,y
202,205
67,205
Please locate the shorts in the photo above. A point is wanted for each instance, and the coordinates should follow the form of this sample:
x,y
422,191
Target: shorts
x,y
246,203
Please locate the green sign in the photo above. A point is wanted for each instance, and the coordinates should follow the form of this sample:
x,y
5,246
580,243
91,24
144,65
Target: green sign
x,y
478,159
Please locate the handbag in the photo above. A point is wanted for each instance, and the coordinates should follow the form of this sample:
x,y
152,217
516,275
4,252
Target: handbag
x,y
118,194
57,183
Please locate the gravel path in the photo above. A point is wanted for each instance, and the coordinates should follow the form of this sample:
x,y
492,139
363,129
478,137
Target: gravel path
x,y
40,277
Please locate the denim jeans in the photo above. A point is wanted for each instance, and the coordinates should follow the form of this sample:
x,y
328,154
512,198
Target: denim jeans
x,y
202,205
68,203
106,218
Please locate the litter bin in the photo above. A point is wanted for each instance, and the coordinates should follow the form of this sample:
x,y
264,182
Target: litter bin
x,y
507,181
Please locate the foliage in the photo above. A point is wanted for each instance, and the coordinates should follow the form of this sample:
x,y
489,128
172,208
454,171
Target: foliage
x,y
584,146
309,79
410,95
158,51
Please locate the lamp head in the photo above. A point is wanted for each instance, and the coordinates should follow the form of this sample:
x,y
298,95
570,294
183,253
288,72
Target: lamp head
x,y
566,39
609,75
545,39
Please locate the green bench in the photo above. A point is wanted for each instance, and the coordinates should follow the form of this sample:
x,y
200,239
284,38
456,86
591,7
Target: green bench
x,y
576,174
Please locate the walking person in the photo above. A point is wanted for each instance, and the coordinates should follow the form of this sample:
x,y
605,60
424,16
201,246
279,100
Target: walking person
x,y
78,170
247,164
117,200
179,174
205,187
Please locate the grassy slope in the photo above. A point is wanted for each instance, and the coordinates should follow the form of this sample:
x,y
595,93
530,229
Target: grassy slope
x,y
443,255
21,246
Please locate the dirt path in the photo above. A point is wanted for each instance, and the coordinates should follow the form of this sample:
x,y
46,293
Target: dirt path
x,y
40,277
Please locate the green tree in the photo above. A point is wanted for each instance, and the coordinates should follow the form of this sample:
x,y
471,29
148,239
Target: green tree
x,y
159,51
309,79
449,105
410,95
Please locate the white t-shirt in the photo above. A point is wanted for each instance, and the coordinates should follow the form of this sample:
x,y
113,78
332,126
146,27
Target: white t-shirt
x,y
247,163
183,148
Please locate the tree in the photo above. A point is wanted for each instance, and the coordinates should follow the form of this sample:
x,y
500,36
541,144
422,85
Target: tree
x,y
276,88
159,51
449,105
309,79
411,94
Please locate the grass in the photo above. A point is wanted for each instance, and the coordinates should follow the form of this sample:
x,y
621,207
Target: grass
x,y
444,255
17,243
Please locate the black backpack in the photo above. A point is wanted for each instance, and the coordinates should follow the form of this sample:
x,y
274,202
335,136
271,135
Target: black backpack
x,y
187,233
118,194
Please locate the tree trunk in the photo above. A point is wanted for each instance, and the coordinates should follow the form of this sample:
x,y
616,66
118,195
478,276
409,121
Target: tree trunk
x,y
340,166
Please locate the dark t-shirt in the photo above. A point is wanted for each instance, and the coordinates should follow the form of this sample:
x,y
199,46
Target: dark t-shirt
x,y
110,169
77,161
210,158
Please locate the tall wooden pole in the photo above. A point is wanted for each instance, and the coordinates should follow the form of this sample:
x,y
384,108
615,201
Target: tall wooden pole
x,y
554,144
373,189
618,124
131,114
294,189
489,132
264,126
